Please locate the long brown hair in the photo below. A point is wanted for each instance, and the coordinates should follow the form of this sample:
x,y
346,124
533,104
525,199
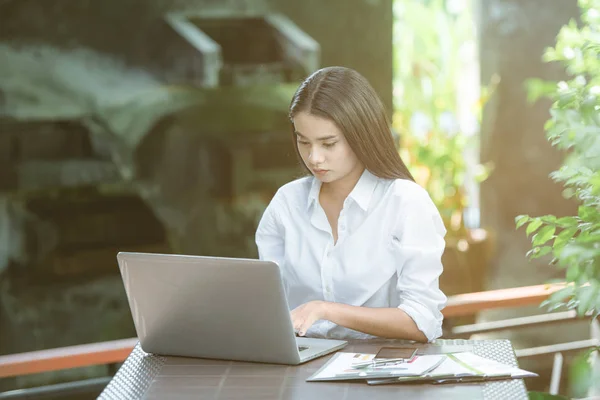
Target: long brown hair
x,y
345,97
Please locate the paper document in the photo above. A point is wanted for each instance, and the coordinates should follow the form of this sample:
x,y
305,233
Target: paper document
x,y
490,367
340,367
462,367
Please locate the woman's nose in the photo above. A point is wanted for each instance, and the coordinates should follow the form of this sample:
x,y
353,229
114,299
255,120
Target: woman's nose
x,y
315,156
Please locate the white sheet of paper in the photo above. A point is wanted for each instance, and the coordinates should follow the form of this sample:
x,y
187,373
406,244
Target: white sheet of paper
x,y
448,368
451,368
491,367
340,367
464,365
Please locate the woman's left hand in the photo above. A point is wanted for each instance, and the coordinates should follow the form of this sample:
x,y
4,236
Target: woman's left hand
x,y
304,316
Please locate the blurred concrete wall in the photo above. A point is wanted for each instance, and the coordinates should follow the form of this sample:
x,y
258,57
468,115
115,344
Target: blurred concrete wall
x,y
514,35
352,33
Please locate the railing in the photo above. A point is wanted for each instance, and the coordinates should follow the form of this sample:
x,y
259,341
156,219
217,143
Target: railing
x,y
113,352
471,303
517,297
85,355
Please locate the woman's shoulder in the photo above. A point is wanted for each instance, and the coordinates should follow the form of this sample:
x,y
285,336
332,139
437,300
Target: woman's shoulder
x,y
294,192
414,203
405,190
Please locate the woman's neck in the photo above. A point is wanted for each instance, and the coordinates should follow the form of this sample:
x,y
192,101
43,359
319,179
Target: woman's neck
x,y
340,189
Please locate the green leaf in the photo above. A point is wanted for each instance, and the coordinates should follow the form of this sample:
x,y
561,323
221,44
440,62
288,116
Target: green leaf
x,y
521,220
586,296
562,294
544,251
588,238
597,308
548,219
533,226
573,272
566,99
544,234
587,213
538,252
557,299
571,251
566,222
579,253
564,236
532,395
538,88
580,374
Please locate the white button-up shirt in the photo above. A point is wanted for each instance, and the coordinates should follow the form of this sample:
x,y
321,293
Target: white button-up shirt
x,y
388,252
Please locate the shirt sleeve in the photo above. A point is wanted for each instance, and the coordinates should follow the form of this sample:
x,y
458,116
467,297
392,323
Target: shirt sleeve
x,y
418,237
270,233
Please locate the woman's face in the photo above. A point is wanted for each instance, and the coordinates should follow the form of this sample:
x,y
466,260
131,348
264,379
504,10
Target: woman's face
x,y
324,148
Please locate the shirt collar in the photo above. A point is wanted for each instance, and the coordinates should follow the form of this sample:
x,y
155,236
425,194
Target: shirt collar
x,y
313,194
361,194
363,191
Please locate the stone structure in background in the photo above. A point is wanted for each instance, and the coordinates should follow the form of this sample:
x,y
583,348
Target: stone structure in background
x,y
355,34
514,35
158,126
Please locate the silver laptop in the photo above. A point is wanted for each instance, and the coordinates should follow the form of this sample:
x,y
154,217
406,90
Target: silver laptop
x,y
209,307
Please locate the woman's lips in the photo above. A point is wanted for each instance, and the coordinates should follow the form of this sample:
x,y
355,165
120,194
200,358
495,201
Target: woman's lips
x,y
320,171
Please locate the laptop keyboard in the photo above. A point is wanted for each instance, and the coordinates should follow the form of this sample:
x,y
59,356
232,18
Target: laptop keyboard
x,y
302,348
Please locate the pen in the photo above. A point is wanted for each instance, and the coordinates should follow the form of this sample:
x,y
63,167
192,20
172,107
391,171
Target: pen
x,y
379,363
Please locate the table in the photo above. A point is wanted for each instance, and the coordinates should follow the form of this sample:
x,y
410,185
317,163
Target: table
x,y
147,376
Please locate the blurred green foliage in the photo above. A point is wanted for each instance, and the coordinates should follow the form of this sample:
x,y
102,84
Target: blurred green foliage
x,y
432,39
573,242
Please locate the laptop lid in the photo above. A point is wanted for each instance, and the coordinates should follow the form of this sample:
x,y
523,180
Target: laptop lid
x,y
209,307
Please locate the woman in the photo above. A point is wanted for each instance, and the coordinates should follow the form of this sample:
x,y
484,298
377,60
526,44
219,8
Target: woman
x,y
358,242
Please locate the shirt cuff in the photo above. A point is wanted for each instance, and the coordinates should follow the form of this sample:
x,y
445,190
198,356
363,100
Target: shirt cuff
x,y
426,323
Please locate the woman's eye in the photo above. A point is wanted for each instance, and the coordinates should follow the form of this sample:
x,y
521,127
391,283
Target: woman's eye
x,y
329,144
303,143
